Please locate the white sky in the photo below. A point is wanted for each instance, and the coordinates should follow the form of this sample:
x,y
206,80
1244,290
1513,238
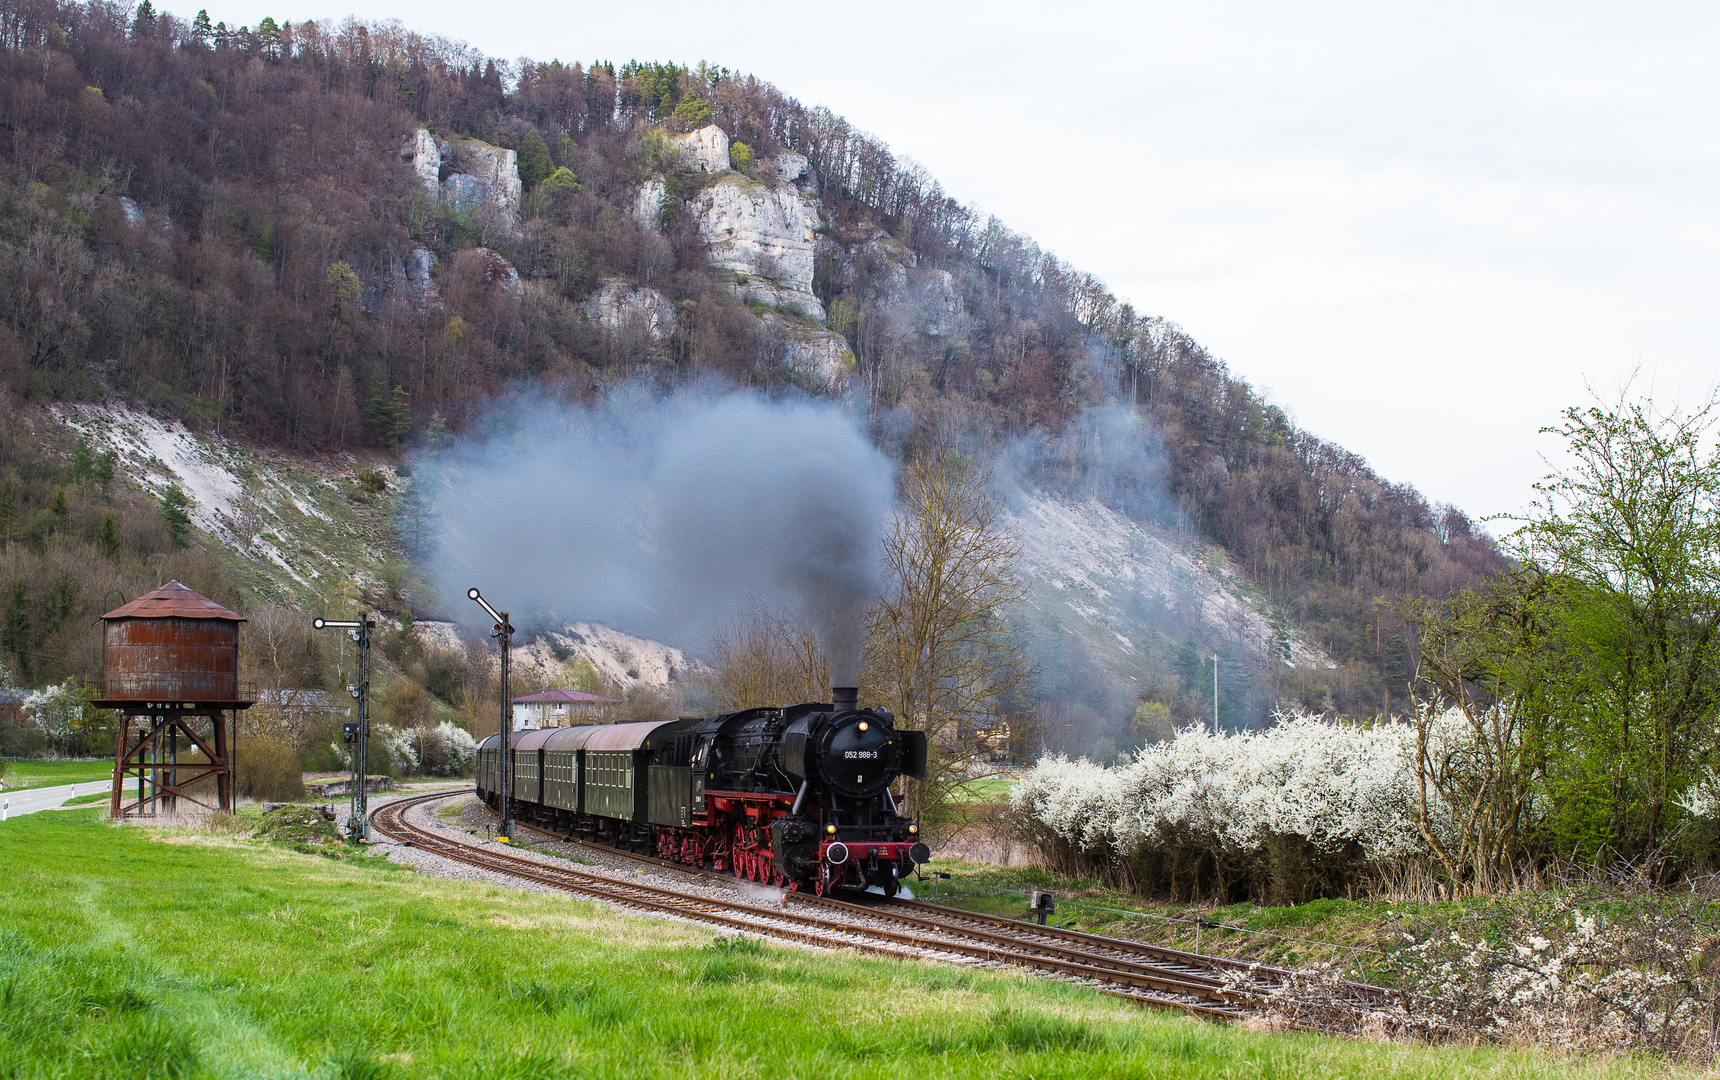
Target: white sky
x,y
1420,229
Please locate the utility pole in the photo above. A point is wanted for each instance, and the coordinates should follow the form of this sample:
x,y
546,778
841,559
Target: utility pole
x,y
357,735
503,632
1215,693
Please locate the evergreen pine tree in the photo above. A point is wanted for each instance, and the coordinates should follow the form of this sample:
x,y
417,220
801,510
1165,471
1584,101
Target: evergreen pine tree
x,y
400,416
16,631
269,35
693,112
102,471
173,515
107,537
83,462
61,510
202,31
144,24
534,162
8,516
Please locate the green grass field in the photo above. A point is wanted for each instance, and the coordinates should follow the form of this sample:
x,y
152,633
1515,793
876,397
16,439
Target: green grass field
x,y
141,953
27,772
983,792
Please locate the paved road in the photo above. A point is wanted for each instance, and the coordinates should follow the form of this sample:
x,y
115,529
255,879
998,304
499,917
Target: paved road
x,y
30,800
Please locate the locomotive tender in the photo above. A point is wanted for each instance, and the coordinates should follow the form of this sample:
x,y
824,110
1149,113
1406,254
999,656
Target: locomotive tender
x,y
795,796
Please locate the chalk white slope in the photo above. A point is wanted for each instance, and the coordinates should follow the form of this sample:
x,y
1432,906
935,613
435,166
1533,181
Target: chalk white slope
x,y
1096,573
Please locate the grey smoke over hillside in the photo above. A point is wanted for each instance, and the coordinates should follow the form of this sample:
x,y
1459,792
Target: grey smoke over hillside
x,y
664,516
1108,453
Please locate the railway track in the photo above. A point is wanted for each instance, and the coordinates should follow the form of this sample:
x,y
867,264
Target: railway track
x,y
1255,980
1148,975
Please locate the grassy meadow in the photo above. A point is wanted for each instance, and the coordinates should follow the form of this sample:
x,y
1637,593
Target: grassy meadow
x,y
142,952
30,773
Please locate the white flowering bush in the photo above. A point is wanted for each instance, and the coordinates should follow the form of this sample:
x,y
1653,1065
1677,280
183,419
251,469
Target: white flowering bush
x,y
444,750
58,711
1606,966
1702,799
448,750
402,746
1327,798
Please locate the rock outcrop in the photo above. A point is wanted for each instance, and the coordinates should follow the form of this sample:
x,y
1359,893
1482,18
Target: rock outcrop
x,y
426,158
789,167
620,308
486,177
132,212
466,174
648,204
764,235
420,286
706,149
821,358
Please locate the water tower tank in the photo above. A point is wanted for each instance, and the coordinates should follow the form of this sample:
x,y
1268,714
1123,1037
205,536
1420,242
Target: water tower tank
x,y
172,645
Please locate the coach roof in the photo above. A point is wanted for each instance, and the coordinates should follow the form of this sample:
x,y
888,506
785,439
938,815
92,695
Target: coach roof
x,y
625,736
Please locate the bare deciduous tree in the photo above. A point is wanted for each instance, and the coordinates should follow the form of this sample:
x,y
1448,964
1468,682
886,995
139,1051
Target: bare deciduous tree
x,y
1477,651
764,658
940,651
280,658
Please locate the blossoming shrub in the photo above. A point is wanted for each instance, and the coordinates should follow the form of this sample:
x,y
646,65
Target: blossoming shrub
x,y
444,750
1301,809
1603,965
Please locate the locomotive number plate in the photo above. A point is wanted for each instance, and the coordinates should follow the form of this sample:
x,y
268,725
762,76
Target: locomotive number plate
x,y
861,754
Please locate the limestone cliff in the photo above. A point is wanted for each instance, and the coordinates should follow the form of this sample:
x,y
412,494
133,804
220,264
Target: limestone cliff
x,y
789,167
619,308
706,149
426,158
466,173
763,234
648,204
821,358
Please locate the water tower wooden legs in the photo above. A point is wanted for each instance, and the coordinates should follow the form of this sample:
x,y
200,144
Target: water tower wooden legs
x,y
148,750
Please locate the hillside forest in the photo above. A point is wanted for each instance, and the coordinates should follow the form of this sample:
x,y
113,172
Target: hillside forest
x,y
211,222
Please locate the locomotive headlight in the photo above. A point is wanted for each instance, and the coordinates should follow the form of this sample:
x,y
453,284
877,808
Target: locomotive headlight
x,y
913,829
831,829
863,725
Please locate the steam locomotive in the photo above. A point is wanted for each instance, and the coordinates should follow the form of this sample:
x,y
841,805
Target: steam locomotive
x,y
796,796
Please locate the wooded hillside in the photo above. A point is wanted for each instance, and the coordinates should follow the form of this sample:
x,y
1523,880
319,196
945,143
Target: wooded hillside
x,y
215,222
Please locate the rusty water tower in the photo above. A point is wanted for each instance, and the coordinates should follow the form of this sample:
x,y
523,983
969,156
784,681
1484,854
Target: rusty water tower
x,y
172,666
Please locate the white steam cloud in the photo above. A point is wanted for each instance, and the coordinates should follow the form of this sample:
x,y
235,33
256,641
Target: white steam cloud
x,y
664,516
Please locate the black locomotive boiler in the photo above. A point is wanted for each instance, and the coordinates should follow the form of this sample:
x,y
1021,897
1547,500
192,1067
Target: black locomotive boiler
x,y
796,796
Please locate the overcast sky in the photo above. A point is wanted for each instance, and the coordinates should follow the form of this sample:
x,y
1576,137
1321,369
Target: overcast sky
x,y
1420,230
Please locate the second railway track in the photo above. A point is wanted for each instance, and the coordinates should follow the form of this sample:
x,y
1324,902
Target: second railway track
x,y
1211,987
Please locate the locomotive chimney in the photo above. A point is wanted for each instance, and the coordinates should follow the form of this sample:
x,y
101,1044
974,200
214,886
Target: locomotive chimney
x,y
845,698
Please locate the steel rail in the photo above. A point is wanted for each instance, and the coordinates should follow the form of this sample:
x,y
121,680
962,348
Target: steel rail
x,y
1218,1000
1123,959
1073,945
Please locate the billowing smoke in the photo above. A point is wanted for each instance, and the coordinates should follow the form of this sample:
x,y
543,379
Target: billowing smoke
x,y
664,516
1108,453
